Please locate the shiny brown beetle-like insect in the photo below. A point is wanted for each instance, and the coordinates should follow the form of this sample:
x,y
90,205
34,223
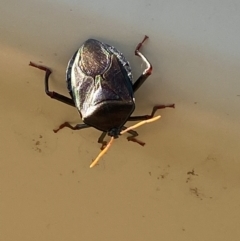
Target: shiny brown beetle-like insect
x,y
99,81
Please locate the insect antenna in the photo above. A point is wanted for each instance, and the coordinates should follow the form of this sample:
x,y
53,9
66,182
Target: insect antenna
x,y
102,152
122,132
140,124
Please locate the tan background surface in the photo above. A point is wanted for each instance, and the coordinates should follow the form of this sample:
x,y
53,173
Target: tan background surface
x,y
48,192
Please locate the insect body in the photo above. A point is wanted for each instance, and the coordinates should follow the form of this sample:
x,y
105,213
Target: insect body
x,y
99,81
101,86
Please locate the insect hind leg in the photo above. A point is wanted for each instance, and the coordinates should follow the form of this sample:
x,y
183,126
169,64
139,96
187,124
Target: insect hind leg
x,y
52,94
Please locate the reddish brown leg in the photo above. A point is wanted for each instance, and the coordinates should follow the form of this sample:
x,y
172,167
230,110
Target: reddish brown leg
x,y
52,94
147,72
76,127
145,117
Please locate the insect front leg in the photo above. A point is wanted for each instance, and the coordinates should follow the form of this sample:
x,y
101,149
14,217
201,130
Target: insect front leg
x,y
132,137
101,140
52,94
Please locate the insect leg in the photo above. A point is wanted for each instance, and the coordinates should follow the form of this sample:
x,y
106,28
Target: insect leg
x,y
101,140
147,72
145,117
132,137
76,127
52,94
